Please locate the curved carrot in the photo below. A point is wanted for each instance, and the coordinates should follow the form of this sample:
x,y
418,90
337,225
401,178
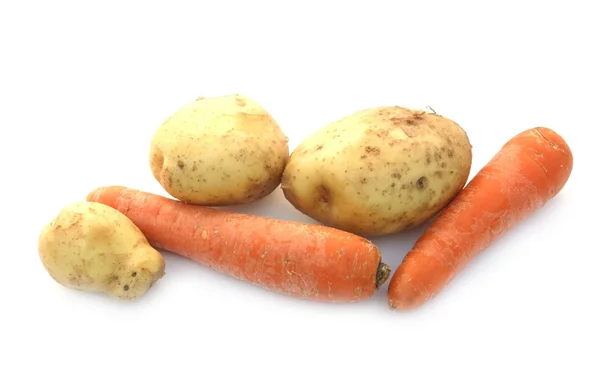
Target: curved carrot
x,y
303,260
528,171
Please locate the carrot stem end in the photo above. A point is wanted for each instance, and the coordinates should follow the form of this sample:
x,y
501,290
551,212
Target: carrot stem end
x,y
383,273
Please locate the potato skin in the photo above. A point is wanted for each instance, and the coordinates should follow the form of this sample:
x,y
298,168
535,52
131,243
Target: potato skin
x,y
92,247
379,171
219,151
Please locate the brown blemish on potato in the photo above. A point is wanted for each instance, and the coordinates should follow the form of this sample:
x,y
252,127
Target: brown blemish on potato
x,y
126,287
240,102
323,194
437,174
180,164
372,150
363,180
319,147
421,182
382,133
450,153
396,175
443,165
437,156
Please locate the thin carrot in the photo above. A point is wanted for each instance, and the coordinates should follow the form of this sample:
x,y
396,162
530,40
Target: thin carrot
x,y
302,260
528,171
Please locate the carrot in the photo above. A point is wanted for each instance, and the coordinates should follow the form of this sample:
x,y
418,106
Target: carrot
x,y
302,260
528,171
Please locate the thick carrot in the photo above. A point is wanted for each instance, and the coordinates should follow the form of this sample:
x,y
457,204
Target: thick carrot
x,y
528,171
302,260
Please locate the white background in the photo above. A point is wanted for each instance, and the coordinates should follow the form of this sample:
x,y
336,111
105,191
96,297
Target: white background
x,y
83,87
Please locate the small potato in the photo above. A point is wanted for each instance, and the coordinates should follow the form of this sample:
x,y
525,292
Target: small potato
x,y
219,151
378,171
92,247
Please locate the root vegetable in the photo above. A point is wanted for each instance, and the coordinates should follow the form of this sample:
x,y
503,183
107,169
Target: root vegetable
x,y
302,260
378,171
91,247
528,171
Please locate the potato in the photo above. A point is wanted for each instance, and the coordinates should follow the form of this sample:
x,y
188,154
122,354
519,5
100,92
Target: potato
x,y
92,247
378,171
219,151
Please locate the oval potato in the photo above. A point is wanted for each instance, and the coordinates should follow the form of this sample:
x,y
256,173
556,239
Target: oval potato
x,y
92,247
378,171
219,151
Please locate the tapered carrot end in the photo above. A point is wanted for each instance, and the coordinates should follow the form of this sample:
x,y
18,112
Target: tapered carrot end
x,y
403,295
403,301
107,195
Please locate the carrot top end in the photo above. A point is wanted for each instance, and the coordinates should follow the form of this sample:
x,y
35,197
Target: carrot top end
x,y
383,273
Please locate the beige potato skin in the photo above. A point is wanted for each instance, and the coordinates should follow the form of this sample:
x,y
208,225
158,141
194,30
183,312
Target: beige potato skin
x,y
379,171
219,151
92,247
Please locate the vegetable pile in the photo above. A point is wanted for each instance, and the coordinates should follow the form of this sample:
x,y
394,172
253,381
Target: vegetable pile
x,y
379,171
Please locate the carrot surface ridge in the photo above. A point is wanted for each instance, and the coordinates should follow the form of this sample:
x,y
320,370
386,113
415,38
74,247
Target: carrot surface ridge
x,y
302,260
528,171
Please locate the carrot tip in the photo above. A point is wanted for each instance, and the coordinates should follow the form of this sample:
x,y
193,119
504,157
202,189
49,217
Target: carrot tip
x,y
383,273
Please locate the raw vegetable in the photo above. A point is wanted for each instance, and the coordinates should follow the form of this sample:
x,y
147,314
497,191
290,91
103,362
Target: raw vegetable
x,y
91,247
301,260
219,151
528,171
378,171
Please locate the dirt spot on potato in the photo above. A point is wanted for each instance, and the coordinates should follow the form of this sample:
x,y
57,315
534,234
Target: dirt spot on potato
x,y
407,125
323,194
381,133
421,183
240,102
372,150
419,115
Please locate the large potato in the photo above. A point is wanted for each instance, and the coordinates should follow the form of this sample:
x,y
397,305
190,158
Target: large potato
x,y
92,247
219,151
378,171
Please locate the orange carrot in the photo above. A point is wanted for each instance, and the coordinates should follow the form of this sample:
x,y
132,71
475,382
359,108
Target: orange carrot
x,y
302,260
528,171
